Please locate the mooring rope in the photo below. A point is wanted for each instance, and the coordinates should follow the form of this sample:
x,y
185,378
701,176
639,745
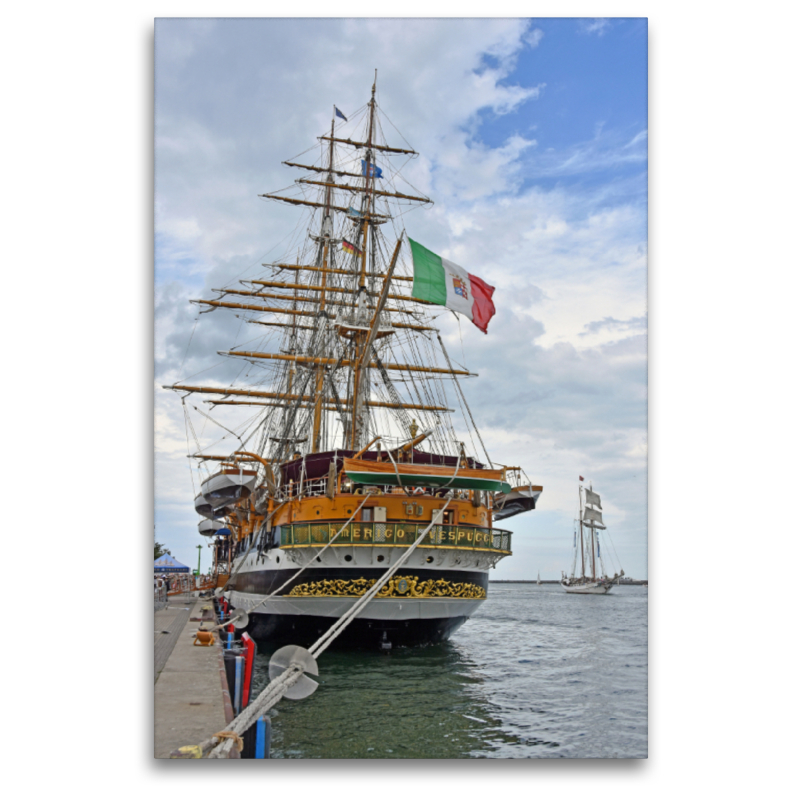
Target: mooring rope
x,y
275,690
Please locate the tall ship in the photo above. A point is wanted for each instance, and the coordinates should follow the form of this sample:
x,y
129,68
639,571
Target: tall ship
x,y
592,577
355,460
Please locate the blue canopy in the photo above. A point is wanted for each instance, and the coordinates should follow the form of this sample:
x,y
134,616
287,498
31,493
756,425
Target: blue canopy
x,y
169,564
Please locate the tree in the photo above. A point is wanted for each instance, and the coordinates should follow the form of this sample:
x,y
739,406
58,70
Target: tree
x,y
159,550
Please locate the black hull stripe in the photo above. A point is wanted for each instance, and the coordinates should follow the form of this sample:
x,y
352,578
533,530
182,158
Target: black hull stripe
x,y
276,630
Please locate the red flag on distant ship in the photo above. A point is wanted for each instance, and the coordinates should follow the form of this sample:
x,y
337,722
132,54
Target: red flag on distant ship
x,y
580,477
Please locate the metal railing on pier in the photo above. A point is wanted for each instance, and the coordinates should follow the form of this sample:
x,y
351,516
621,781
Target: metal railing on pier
x,y
183,584
159,594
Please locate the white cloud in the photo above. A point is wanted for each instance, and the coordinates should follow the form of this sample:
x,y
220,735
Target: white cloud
x,y
533,37
600,26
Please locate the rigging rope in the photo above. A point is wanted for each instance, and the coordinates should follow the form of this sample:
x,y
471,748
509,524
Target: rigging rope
x,y
186,426
196,320
460,391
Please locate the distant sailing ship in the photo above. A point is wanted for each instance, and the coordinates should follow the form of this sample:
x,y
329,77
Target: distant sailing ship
x,y
592,578
334,480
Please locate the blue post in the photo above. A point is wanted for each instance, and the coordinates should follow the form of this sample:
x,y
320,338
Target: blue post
x,y
263,737
229,643
238,682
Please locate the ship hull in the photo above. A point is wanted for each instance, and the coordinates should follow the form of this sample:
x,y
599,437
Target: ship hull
x,y
588,588
419,605
400,624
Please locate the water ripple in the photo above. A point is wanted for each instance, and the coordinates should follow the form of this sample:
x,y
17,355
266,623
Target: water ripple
x,y
536,673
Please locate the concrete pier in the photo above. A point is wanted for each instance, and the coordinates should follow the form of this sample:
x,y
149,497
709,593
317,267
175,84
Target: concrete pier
x,y
191,698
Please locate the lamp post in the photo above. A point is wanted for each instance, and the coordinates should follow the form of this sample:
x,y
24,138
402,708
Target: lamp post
x,y
199,554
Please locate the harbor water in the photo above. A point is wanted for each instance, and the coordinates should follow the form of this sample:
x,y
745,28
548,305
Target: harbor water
x,y
536,673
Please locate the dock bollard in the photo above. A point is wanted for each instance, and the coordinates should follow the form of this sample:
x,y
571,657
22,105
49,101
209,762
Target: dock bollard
x,y
237,683
263,737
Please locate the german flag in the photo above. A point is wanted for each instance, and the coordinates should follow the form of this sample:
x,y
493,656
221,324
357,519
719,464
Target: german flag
x,y
350,248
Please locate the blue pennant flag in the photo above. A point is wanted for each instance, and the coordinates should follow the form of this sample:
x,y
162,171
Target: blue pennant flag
x,y
352,212
374,170
339,114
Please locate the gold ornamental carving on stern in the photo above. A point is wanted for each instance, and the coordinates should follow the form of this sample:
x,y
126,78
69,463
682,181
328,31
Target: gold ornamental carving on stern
x,y
408,586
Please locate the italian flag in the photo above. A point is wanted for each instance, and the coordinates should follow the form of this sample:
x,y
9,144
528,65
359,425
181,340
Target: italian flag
x,y
440,281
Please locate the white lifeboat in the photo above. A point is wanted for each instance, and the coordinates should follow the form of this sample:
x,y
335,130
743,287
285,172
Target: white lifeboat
x,y
228,486
517,501
205,509
208,527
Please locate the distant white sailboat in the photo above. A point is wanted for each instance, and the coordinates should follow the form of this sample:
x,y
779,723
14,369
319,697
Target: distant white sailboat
x,y
592,578
538,579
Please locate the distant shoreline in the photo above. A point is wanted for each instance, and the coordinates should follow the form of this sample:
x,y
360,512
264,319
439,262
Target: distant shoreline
x,y
624,583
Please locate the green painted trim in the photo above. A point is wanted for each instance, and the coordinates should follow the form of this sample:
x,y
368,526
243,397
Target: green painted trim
x,y
398,534
394,544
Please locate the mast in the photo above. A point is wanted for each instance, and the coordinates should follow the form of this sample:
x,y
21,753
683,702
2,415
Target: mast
x,y
360,382
592,526
327,229
580,520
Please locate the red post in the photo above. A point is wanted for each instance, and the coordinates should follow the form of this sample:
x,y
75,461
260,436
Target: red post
x,y
248,667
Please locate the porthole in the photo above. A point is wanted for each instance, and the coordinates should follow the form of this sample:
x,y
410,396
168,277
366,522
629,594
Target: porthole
x,y
348,558
380,558
278,559
429,560
318,558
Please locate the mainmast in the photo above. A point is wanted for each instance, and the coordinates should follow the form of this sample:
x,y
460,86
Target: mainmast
x,y
360,380
591,526
580,520
327,230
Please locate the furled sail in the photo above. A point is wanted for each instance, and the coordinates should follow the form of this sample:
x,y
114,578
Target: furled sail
x,y
592,498
591,515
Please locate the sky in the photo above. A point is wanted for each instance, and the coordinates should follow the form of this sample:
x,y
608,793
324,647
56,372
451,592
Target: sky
x,y
533,140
